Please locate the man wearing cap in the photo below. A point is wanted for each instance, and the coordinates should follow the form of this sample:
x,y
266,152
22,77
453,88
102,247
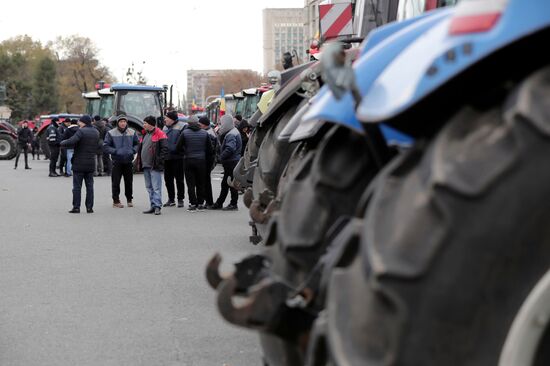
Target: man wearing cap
x,y
211,161
173,166
53,135
151,155
122,144
84,143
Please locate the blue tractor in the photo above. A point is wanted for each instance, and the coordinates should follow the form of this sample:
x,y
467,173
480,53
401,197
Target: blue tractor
x,y
440,134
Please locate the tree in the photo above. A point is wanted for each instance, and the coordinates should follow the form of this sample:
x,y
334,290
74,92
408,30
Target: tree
x,y
19,99
78,70
233,81
44,90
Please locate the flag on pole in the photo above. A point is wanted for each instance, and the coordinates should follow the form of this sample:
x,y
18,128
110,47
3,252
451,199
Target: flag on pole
x,y
222,102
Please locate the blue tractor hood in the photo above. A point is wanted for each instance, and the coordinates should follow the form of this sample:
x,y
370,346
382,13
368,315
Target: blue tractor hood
x,y
379,49
432,60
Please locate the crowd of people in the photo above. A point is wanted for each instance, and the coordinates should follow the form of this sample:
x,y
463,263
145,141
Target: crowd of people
x,y
181,153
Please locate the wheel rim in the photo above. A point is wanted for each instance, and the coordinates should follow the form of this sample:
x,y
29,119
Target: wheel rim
x,y
4,148
528,327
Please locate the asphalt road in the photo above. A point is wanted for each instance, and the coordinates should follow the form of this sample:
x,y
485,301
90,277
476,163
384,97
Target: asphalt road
x,y
116,287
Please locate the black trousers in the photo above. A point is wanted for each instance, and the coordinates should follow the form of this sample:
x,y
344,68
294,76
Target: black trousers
x,y
122,170
173,170
25,149
63,160
54,155
107,164
228,172
208,197
195,172
36,150
88,178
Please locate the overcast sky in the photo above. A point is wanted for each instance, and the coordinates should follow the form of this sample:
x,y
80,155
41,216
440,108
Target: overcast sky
x,y
170,36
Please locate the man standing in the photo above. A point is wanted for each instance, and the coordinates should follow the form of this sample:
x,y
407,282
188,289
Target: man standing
x,y
194,142
173,166
24,140
63,152
35,144
54,139
210,161
69,132
84,143
122,143
229,157
100,125
151,154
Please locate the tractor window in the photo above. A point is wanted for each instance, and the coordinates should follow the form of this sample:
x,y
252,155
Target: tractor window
x,y
410,8
139,104
106,105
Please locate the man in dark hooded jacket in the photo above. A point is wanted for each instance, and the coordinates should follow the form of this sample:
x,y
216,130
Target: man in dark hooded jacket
x,y
24,140
100,125
230,153
84,142
195,145
54,137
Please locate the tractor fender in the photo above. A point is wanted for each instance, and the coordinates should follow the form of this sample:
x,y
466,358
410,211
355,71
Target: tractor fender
x,y
438,56
379,53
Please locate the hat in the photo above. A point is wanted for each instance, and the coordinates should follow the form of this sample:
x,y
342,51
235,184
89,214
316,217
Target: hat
x,y
173,115
87,120
150,120
97,118
121,117
204,121
55,119
193,119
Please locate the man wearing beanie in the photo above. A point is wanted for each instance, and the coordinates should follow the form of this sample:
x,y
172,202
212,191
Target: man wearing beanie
x,y
122,144
84,143
151,155
230,153
211,161
173,166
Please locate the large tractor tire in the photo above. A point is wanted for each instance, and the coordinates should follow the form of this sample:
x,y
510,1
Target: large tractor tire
x,y
454,239
8,147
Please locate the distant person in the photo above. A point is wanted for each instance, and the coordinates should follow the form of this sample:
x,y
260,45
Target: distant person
x,y
244,130
151,155
35,144
69,132
173,166
24,140
107,162
237,119
210,161
230,153
84,143
100,125
54,137
63,152
122,144
195,144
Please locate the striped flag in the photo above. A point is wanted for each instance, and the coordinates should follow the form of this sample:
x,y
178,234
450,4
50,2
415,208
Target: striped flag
x,y
222,102
336,20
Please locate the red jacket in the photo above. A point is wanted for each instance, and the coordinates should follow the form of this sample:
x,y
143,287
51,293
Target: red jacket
x,y
159,150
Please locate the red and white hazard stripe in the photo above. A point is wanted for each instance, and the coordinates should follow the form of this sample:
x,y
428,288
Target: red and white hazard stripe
x,y
336,20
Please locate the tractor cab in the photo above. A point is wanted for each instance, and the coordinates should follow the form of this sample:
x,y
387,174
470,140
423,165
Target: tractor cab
x,y
134,101
92,103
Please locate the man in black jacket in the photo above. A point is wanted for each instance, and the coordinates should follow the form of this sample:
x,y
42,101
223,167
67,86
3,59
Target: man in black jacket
x,y
84,142
54,137
173,166
194,142
24,140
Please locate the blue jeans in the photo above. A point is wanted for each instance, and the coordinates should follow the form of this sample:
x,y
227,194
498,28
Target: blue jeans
x,y
69,167
153,183
88,179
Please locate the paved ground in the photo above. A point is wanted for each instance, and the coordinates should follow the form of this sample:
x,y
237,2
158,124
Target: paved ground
x,y
115,287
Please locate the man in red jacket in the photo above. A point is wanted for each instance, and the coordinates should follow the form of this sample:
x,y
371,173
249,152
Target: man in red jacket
x,y
152,153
